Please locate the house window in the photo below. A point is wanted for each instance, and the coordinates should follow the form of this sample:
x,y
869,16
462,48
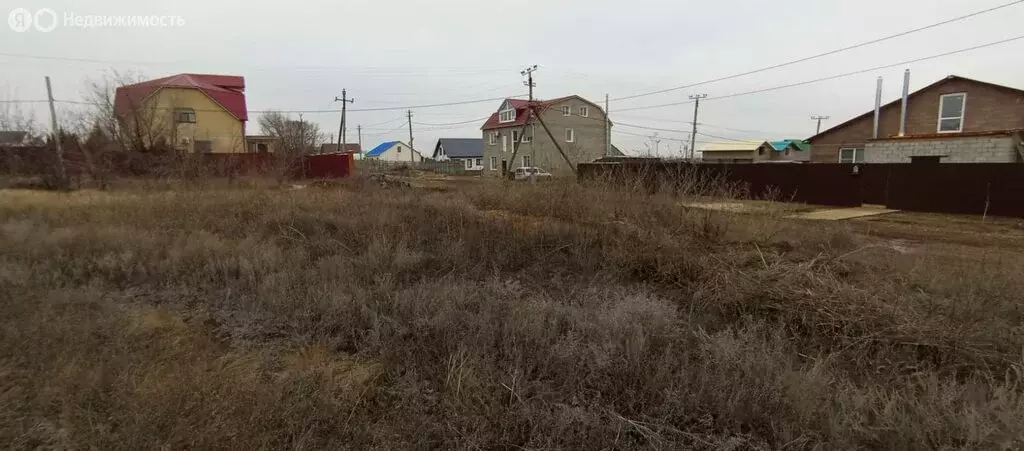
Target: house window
x,y
479,163
951,112
469,163
507,115
851,155
185,115
527,138
494,163
515,135
492,138
526,161
566,110
570,135
440,150
584,111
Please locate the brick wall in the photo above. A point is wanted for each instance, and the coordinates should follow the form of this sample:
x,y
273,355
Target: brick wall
x,y
980,149
988,108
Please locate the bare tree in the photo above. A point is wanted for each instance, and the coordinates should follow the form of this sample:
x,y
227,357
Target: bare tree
x,y
299,137
137,126
13,118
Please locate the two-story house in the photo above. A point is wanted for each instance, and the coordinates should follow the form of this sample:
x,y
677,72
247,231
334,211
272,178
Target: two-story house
x,y
579,126
954,120
186,112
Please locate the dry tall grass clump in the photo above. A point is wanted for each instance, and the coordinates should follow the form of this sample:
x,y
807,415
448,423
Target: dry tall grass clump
x,y
502,316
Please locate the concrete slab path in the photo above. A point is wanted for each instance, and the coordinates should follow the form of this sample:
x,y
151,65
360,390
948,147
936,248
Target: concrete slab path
x,y
839,214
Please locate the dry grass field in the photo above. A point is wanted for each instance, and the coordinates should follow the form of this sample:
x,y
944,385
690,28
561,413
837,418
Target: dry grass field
x,y
497,316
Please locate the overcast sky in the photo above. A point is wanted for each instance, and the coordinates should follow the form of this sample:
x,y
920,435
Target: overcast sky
x,y
298,55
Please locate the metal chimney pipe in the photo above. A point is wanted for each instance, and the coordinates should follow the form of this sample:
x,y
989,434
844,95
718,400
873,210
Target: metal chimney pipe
x,y
878,107
903,106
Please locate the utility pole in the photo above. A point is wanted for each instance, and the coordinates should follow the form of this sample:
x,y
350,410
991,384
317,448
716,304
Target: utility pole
x,y
359,129
58,145
302,135
411,148
341,126
693,137
528,72
819,119
607,129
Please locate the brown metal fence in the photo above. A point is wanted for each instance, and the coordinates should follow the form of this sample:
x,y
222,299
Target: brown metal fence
x,y
976,188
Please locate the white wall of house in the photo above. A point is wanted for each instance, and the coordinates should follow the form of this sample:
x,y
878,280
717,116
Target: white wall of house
x,y
471,164
400,152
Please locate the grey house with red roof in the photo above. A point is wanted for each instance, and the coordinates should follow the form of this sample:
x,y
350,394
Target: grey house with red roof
x,y
578,125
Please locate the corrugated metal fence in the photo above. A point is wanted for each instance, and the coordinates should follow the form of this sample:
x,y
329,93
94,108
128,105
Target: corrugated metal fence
x,y
995,189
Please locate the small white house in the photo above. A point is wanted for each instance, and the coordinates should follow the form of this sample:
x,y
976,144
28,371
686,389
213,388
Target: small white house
x,y
396,151
469,152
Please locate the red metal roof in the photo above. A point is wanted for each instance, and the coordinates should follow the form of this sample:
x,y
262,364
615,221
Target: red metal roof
x,y
522,112
226,90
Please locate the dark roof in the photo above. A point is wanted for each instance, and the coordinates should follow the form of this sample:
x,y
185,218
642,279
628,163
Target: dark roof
x,y
381,148
225,90
523,110
333,148
894,102
13,137
460,147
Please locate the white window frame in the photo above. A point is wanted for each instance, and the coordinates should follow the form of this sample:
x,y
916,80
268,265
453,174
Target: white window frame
x,y
584,111
570,135
963,112
515,135
527,138
494,163
566,110
478,162
856,151
507,114
469,163
493,138
526,162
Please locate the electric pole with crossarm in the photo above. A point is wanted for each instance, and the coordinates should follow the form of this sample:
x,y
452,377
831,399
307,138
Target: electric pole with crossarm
x,y
819,119
693,136
341,126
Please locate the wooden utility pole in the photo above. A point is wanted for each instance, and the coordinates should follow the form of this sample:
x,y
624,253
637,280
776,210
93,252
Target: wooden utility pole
x,y
693,136
359,130
341,126
607,129
528,72
412,149
553,140
819,119
62,181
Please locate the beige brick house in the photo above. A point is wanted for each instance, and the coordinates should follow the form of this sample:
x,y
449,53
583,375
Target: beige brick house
x,y
954,120
575,123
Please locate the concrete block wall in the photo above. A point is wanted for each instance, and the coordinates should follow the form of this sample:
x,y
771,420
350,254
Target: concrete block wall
x,y
980,149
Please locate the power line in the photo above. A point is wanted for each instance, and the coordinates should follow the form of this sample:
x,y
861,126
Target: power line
x,y
399,118
831,52
362,69
833,77
857,72
434,105
729,139
453,123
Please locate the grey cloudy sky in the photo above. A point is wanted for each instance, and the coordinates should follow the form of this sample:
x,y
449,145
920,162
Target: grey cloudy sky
x,y
298,55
